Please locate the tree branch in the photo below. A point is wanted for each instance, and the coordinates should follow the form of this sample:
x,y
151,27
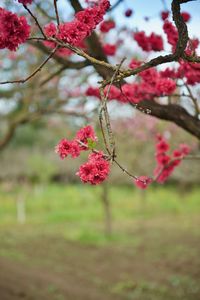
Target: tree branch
x,y
38,69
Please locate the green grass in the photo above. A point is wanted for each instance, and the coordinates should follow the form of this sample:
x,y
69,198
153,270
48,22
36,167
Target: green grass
x,y
154,244
77,211
79,203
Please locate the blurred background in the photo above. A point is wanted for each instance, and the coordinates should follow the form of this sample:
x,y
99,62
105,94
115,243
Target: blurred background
x,y
60,239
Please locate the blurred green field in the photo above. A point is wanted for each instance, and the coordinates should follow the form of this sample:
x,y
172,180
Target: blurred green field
x,y
152,253
78,209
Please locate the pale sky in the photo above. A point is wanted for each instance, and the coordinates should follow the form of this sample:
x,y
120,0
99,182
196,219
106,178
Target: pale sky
x,y
149,8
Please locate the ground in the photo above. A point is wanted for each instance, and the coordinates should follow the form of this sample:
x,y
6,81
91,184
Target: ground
x,y
148,257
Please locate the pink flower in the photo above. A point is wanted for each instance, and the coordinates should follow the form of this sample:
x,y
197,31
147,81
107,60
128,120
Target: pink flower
x,y
66,147
162,146
164,15
168,73
83,24
91,91
96,170
164,173
14,30
72,32
171,32
191,71
186,16
25,2
84,134
50,29
109,49
165,86
128,13
128,93
154,42
142,182
166,164
104,5
177,153
142,40
114,92
150,76
162,158
176,162
134,64
185,149
106,26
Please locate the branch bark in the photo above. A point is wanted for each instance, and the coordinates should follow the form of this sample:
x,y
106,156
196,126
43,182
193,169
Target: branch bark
x,y
174,113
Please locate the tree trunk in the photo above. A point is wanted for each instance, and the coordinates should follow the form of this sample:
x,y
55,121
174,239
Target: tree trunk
x,y
107,210
21,212
143,201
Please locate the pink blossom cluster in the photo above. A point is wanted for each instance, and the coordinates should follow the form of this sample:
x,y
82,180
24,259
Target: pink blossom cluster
x,y
142,182
83,135
186,16
128,12
66,147
169,73
97,168
109,49
106,26
51,31
92,92
192,46
154,42
166,163
14,30
134,63
25,2
170,30
74,147
190,71
186,70
171,33
80,27
152,84
164,15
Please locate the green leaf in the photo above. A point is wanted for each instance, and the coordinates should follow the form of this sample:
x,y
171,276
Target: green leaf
x,y
91,144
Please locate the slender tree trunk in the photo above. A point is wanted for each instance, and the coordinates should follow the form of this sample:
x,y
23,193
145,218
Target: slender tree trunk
x,y
21,211
143,201
107,209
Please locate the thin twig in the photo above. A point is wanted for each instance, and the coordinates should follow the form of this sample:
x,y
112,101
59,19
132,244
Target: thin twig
x,y
126,171
38,69
36,20
82,53
56,11
36,39
104,113
194,100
